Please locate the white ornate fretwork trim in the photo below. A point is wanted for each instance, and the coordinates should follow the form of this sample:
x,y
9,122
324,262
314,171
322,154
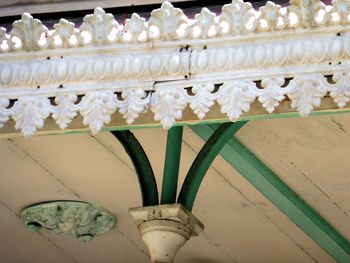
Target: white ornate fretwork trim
x,y
300,52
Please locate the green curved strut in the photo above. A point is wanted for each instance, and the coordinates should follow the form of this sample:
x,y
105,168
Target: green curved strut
x,y
147,181
203,161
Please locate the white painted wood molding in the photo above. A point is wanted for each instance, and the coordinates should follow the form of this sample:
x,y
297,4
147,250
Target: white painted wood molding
x,y
18,7
299,53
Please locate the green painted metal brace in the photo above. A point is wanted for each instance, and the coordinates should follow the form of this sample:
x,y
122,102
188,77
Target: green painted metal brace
x,y
203,161
281,195
145,175
171,166
219,139
193,178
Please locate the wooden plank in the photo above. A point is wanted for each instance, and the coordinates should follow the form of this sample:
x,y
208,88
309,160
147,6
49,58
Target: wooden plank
x,y
30,173
308,154
282,196
251,198
20,245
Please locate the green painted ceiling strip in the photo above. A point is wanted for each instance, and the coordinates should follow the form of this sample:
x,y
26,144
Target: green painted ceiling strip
x,y
171,166
269,184
242,118
203,161
148,184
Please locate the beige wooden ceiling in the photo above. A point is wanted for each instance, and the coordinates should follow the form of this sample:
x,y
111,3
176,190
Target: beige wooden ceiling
x,y
241,225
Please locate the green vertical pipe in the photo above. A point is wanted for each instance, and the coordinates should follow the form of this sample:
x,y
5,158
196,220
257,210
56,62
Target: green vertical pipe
x,y
171,165
143,168
203,161
281,195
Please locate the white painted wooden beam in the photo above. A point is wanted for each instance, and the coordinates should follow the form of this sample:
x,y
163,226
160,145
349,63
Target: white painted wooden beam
x,y
296,54
146,120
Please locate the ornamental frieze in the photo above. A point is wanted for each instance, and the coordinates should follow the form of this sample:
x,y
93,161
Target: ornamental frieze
x,y
169,62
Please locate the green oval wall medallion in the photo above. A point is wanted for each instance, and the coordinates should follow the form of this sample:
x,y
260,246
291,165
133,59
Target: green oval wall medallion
x,y
78,219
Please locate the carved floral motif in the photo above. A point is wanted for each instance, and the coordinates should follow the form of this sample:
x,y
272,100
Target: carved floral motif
x,y
236,16
4,40
169,20
101,26
168,23
29,113
65,110
81,220
136,28
65,35
306,92
340,91
168,104
228,51
235,97
307,13
29,32
342,9
272,93
206,24
96,108
202,99
271,17
135,101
